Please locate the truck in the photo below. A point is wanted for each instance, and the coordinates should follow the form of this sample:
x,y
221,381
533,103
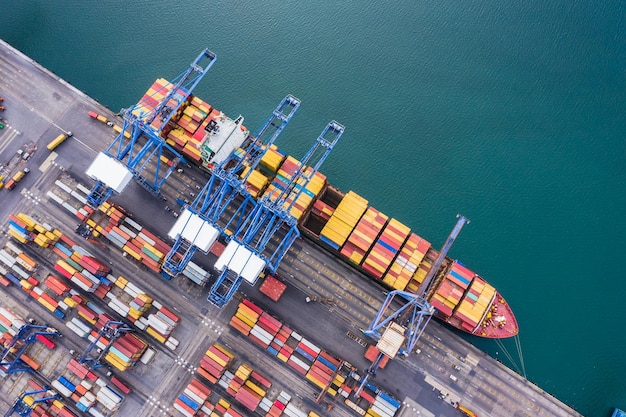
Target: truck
x,y
58,140
16,178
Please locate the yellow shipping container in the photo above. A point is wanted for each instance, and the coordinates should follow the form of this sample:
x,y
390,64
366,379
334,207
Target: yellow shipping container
x,y
30,223
216,358
155,334
132,253
102,119
255,388
46,304
136,314
70,302
17,236
121,282
315,381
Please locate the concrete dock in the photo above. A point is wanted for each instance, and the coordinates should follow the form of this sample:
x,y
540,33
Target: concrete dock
x,y
39,106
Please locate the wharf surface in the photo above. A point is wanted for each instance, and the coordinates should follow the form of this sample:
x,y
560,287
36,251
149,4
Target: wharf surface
x,y
40,105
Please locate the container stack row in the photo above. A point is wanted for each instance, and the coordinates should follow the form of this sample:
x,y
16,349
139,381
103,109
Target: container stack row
x,y
343,220
319,367
41,409
113,223
385,249
300,196
248,386
451,289
214,362
364,235
405,266
192,399
475,304
91,275
266,170
87,391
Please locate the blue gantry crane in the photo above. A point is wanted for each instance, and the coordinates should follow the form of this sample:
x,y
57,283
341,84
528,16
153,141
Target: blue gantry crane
x,y
126,158
112,330
26,402
198,226
399,331
262,237
21,341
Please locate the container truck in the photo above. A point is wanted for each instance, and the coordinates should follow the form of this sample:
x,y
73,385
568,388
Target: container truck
x,y
16,178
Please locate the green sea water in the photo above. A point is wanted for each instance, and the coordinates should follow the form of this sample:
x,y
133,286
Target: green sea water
x,y
511,113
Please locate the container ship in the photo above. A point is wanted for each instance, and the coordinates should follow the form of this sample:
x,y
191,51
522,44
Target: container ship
x,y
381,247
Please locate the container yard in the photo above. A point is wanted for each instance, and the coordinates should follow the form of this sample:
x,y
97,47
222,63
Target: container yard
x,y
88,307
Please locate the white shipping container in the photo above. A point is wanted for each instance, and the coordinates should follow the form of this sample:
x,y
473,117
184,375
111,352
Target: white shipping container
x,y
80,324
147,356
111,394
76,329
52,196
146,239
90,397
182,410
125,229
292,411
19,271
83,189
69,208
63,186
140,325
61,389
14,248
194,397
79,197
133,224
95,413
383,412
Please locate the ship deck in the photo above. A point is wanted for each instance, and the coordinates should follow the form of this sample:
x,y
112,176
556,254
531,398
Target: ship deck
x,y
40,105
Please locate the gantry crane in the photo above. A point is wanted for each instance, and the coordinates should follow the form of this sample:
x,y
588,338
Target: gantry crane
x,y
125,158
198,226
256,243
399,331
25,403
19,343
112,330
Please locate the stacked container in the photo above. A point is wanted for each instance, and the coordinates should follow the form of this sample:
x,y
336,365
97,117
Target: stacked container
x,y
451,289
406,263
422,271
126,351
196,274
20,227
248,387
189,402
162,323
344,219
474,305
385,249
363,236
317,366
214,362
300,196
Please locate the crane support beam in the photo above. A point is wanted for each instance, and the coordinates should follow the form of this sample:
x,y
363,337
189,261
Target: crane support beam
x,y
140,121
415,312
